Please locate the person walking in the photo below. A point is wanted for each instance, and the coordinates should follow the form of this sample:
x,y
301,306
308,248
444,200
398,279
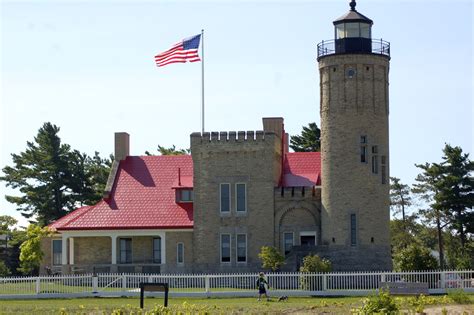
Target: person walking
x,y
262,284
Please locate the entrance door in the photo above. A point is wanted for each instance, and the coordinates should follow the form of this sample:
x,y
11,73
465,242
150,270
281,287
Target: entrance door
x,y
308,240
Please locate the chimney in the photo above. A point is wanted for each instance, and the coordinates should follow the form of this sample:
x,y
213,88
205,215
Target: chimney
x,y
273,124
286,143
122,145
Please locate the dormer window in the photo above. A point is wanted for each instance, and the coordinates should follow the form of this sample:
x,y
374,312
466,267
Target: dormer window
x,y
184,195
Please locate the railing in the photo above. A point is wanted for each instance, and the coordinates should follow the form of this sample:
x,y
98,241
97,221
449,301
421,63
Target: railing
x,y
235,285
328,47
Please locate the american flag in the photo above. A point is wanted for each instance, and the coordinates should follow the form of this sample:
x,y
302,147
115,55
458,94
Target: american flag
x,y
186,50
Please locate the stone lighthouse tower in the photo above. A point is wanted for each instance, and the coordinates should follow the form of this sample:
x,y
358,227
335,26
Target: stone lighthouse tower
x,y
354,86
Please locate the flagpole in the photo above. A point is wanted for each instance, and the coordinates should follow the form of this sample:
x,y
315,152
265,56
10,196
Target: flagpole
x,y
202,79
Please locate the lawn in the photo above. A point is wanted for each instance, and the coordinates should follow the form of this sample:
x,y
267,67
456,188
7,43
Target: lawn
x,y
294,305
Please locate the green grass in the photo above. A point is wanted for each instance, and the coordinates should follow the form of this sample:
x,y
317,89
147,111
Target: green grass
x,y
300,305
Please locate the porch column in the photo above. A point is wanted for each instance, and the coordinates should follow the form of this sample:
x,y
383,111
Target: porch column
x,y
114,249
64,239
71,250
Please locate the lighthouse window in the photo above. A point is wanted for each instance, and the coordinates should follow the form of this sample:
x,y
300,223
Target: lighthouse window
x,y
352,29
340,31
375,164
351,73
383,169
363,149
364,30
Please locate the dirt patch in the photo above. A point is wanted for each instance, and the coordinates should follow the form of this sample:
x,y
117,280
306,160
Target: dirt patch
x,y
452,310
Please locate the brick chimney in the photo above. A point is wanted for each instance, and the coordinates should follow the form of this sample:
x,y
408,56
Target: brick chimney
x,y
122,145
273,124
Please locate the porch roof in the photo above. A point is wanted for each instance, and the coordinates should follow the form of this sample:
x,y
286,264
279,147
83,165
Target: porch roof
x,y
142,198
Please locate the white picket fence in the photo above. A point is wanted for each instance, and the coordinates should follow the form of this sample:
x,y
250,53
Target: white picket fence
x,y
234,285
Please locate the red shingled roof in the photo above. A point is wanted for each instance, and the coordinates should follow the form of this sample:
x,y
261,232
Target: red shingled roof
x,y
302,169
143,195
142,198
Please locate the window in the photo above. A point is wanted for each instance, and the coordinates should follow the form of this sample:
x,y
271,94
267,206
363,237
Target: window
x,y
375,160
157,250
185,195
352,29
225,248
241,197
180,253
125,250
363,149
384,169
225,197
353,230
288,242
57,252
241,247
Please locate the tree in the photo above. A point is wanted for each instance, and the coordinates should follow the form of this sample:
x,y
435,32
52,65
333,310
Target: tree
x,y
400,197
53,179
456,191
448,187
426,189
402,233
308,141
31,253
271,258
415,257
41,173
6,223
170,151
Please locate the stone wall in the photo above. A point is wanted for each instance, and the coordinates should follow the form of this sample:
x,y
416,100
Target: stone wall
x,y
172,240
92,250
234,157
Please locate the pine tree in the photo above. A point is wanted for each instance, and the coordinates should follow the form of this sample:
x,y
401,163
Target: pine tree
x,y
400,197
42,175
308,141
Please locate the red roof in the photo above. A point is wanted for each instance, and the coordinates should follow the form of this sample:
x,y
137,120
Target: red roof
x,y
142,198
143,195
302,169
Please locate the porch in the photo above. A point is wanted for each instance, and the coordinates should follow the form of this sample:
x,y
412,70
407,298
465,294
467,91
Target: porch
x,y
85,252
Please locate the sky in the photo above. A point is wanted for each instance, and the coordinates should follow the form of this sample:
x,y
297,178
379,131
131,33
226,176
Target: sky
x,y
88,67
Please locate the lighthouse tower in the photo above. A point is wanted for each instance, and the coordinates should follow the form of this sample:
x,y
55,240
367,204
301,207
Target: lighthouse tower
x,y
354,86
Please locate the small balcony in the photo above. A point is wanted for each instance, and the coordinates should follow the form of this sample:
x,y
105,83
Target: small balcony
x,y
353,46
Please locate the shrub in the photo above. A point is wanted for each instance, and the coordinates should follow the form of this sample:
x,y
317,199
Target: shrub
x,y
381,303
459,296
415,257
314,263
271,258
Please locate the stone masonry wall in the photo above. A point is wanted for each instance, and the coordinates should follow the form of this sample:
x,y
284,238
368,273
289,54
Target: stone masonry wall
x,y
243,157
352,107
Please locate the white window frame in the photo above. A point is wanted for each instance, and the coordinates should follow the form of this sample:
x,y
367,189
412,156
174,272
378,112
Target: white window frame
x,y
236,198
237,248
220,198
230,248
177,254
52,252
284,240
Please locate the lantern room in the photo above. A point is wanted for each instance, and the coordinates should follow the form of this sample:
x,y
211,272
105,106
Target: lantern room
x,y
353,32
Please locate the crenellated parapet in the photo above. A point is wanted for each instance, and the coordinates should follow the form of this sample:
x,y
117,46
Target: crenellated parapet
x,y
231,136
298,193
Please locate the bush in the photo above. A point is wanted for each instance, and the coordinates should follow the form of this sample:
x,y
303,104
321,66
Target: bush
x,y
415,257
382,303
311,264
271,258
459,296
4,270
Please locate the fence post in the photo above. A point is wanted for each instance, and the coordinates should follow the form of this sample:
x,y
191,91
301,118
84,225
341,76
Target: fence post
x,y
124,283
383,277
38,285
325,282
443,279
207,284
95,284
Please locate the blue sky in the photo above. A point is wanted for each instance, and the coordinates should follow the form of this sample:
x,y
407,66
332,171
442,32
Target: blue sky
x,y
88,67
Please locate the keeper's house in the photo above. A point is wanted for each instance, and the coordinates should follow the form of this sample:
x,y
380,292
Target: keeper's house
x,y
213,210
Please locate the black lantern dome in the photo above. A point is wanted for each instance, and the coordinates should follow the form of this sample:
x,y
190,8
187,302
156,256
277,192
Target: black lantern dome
x,y
353,32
